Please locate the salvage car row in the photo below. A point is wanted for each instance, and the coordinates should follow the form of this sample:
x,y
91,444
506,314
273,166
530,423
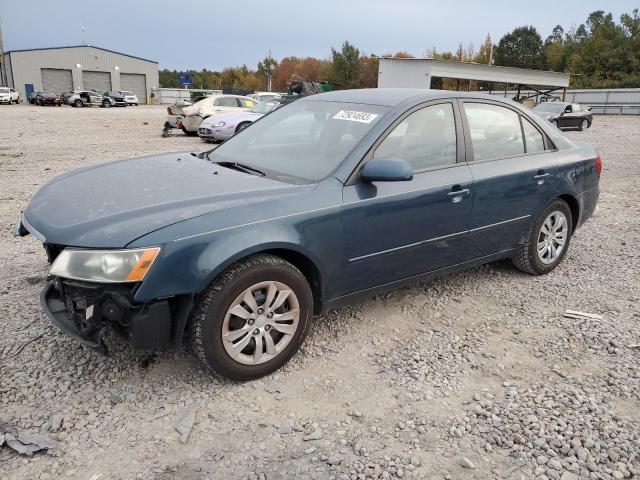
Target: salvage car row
x,y
85,98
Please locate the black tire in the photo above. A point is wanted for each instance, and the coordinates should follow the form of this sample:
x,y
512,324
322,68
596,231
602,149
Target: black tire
x,y
106,103
38,102
206,323
584,124
78,103
187,132
527,258
242,126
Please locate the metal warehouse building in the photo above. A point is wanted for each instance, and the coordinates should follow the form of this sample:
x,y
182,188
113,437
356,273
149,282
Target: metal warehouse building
x,y
85,67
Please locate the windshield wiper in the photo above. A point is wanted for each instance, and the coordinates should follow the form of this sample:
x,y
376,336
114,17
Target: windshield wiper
x,y
243,167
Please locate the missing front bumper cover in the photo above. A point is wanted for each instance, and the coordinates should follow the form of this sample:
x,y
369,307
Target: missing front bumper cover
x,y
83,311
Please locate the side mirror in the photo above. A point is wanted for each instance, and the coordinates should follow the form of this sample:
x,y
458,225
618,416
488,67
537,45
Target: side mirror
x,y
386,170
567,109
589,109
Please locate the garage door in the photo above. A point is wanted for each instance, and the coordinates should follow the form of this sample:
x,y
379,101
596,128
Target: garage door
x,y
135,83
56,80
96,80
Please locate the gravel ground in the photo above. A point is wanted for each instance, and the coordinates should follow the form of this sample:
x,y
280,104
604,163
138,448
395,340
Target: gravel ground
x,y
475,375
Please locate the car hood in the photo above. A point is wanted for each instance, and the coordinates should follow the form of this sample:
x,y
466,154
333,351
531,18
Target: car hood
x,y
112,204
231,117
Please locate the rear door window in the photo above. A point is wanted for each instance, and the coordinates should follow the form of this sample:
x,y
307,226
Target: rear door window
x,y
495,131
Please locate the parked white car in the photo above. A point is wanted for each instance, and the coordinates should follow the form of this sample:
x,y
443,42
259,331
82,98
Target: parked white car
x,y
9,95
265,96
219,103
129,97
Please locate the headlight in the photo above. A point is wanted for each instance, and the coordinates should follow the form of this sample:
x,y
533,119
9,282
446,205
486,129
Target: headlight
x,y
219,124
105,266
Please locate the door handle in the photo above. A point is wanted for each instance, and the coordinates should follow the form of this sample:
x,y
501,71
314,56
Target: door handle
x,y
539,178
457,195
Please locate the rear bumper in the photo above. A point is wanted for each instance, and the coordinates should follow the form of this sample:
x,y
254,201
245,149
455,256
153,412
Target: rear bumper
x,y
84,310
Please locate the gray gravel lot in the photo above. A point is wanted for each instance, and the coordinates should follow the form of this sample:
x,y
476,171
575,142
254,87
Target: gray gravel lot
x,y
475,375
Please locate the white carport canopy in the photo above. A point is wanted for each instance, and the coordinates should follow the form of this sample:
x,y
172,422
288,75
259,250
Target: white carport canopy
x,y
417,73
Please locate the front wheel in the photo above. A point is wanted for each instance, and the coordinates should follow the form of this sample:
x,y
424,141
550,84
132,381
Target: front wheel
x,y
78,103
242,126
584,125
106,103
253,318
547,241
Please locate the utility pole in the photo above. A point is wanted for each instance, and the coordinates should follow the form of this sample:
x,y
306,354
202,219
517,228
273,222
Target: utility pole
x,y
5,77
269,72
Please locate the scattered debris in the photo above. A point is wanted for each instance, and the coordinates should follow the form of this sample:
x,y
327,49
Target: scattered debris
x,y
185,425
274,387
162,411
27,443
315,435
473,361
466,463
582,315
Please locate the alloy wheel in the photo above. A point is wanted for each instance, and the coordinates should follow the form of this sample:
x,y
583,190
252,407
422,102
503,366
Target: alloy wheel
x,y
552,237
260,323
585,125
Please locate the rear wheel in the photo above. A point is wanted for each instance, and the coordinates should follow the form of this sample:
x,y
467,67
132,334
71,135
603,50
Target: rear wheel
x,y
187,132
547,241
253,318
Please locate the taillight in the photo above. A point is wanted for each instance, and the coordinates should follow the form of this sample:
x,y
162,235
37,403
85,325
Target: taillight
x,y
598,164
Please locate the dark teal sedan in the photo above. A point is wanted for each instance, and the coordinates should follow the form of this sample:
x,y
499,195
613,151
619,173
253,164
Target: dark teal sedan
x,y
324,200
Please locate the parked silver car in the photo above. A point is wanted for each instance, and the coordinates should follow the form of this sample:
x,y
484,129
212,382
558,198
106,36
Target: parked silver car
x,y
86,98
218,128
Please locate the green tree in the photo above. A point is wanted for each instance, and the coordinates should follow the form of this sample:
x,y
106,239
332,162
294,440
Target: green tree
x,y
345,66
521,48
169,78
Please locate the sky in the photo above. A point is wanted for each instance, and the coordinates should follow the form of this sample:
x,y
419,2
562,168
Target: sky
x,y
196,34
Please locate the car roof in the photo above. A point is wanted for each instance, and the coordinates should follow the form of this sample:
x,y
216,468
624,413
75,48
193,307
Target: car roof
x,y
391,97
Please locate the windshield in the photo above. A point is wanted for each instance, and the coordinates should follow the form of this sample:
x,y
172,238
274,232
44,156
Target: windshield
x,y
305,139
4,90
124,92
549,107
263,107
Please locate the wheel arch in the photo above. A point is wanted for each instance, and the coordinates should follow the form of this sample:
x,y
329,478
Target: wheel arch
x,y
574,206
291,253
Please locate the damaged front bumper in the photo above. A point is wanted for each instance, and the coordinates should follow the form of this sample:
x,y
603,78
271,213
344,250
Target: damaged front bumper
x,y
83,310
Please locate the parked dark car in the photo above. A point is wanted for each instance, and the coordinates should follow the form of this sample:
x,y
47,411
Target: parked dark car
x,y
332,197
113,99
46,98
565,115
